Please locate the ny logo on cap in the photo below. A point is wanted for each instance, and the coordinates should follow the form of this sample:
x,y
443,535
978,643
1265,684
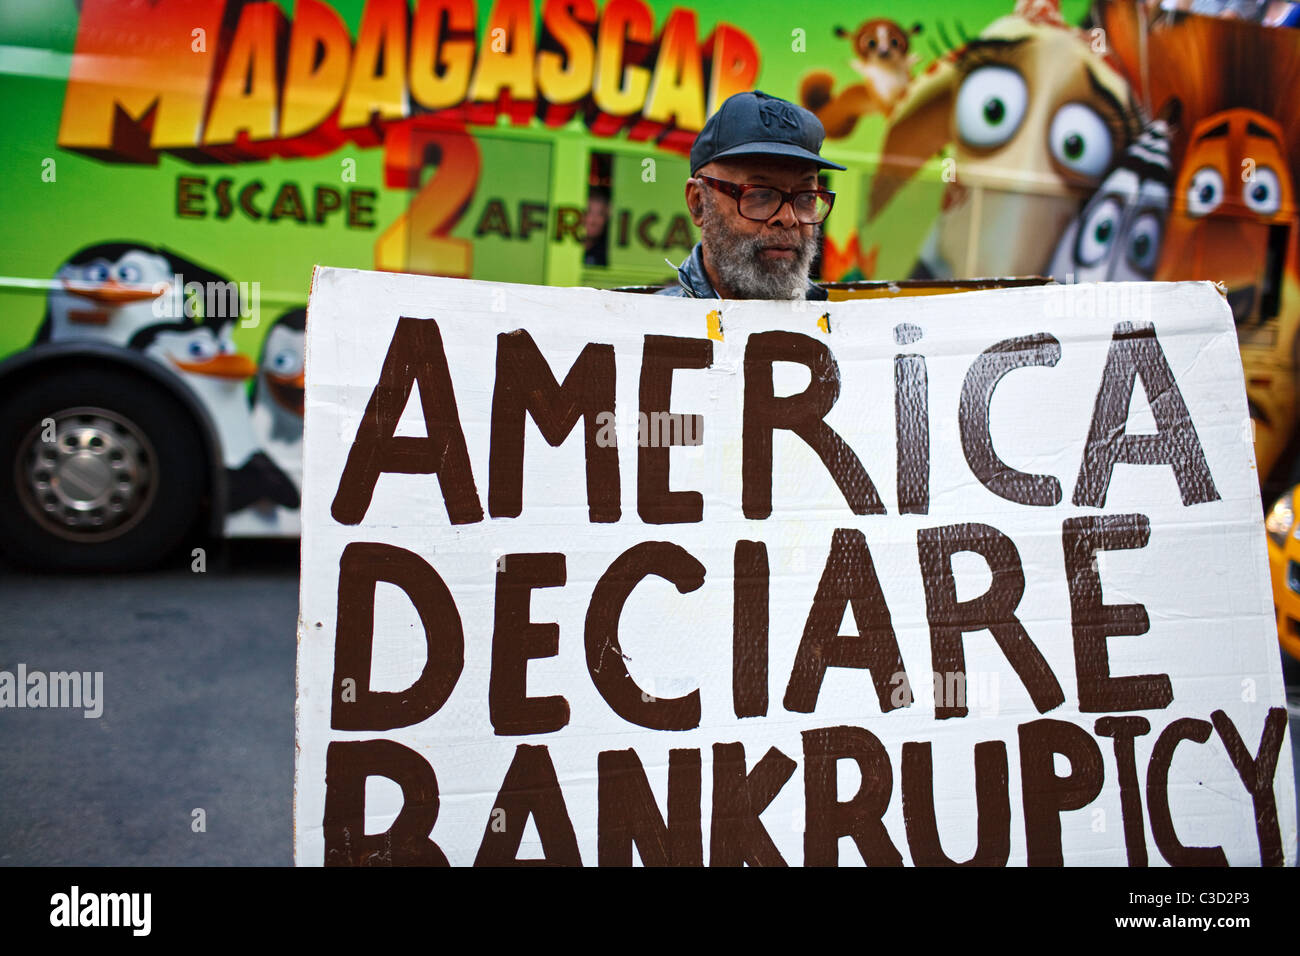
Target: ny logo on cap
x,y
774,112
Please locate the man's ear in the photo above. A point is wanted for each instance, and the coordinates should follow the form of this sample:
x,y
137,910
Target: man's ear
x,y
695,201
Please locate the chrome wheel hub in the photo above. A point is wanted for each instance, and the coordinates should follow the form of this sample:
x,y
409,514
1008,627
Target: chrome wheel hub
x,y
86,474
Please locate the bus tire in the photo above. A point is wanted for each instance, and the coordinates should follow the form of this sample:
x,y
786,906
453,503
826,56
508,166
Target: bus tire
x,y
102,470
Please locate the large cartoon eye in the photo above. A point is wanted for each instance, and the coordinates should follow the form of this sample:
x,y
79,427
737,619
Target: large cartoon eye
x,y
286,362
1080,140
1263,194
990,105
1097,233
98,272
1144,243
1205,193
129,273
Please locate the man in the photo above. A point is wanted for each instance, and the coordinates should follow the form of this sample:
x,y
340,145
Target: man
x,y
595,226
754,194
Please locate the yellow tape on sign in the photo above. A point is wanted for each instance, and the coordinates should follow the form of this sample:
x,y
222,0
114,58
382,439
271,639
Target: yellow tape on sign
x,y
715,325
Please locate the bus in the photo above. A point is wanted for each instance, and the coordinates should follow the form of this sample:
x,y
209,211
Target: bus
x,y
181,165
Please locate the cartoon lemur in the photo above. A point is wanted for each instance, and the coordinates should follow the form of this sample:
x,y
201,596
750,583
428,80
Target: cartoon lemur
x,y
882,57
1117,236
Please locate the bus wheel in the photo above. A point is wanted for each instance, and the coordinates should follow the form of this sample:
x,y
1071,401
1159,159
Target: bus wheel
x,y
102,470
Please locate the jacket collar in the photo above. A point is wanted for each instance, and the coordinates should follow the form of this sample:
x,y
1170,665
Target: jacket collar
x,y
692,277
695,284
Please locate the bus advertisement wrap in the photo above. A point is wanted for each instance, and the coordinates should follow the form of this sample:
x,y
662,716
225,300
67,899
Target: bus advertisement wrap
x,y
184,165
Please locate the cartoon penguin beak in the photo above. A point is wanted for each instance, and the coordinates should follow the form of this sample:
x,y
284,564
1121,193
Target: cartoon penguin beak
x,y
109,295
234,366
113,292
289,381
288,390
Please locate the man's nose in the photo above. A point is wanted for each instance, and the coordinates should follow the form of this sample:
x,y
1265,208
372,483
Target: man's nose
x,y
784,216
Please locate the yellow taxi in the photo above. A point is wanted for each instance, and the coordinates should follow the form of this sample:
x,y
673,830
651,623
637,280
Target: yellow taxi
x,y
1284,567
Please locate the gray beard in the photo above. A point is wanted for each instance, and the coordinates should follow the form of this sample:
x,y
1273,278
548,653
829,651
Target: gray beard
x,y
736,259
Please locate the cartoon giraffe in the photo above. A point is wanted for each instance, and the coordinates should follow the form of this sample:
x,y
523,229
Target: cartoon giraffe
x,y
1034,117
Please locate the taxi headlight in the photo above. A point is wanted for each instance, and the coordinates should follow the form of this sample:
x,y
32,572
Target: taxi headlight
x,y
1280,519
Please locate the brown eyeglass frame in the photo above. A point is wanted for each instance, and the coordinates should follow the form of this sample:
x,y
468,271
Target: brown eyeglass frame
x,y
737,191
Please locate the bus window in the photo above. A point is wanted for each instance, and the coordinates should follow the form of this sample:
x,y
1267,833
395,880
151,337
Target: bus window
x,y
648,218
1270,303
595,219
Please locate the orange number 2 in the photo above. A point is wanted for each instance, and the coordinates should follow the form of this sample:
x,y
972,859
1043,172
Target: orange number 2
x,y
419,239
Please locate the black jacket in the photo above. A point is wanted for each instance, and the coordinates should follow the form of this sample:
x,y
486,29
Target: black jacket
x,y
693,281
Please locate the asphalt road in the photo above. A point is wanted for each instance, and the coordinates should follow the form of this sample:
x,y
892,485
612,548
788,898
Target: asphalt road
x,y
198,691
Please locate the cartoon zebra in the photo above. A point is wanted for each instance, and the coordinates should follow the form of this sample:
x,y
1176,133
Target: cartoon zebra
x,y
1117,235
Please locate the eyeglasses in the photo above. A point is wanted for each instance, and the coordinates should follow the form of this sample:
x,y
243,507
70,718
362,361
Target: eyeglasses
x,y
761,203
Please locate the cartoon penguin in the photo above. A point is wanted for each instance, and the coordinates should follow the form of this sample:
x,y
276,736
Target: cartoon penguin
x,y
1117,236
278,394
111,291
106,293
205,358
277,400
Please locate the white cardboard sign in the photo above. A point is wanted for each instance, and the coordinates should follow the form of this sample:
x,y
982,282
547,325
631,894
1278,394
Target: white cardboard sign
x,y
597,577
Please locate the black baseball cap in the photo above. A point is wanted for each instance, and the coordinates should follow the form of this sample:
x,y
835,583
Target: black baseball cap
x,y
755,124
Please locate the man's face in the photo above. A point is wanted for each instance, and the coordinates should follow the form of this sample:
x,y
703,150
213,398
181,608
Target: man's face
x,y
747,259
596,216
